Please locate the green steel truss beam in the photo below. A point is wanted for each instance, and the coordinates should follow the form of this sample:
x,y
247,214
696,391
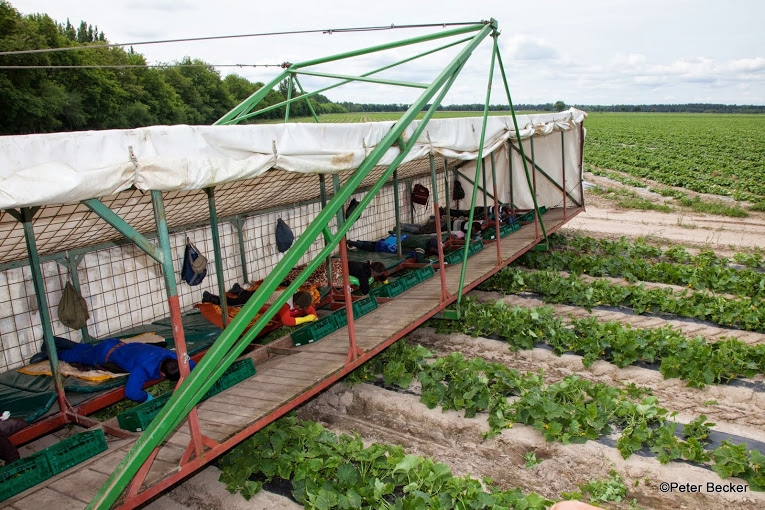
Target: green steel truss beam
x,y
478,168
307,99
242,111
520,147
364,79
242,116
124,228
229,345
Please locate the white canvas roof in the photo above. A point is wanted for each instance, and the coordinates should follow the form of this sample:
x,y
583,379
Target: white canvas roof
x,y
61,168
268,164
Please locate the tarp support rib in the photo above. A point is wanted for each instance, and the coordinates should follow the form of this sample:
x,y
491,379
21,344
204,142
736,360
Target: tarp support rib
x,y
448,196
498,236
397,211
124,228
329,239
442,274
537,217
216,251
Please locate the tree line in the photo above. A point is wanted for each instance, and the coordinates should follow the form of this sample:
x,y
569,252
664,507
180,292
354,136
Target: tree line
x,y
677,108
559,106
40,100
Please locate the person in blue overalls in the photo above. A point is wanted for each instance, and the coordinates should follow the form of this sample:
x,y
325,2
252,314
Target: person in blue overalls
x,y
143,362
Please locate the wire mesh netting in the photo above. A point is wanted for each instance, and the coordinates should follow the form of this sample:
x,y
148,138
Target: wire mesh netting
x,y
124,287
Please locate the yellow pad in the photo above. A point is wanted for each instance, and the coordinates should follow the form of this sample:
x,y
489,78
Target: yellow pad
x,y
43,368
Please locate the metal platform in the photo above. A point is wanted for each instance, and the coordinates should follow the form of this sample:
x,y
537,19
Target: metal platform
x,y
281,384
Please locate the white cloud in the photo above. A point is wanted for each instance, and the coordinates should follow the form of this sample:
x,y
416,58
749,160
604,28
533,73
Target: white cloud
x,y
161,5
752,65
523,47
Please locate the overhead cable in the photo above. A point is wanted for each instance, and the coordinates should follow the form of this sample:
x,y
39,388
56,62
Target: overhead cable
x,y
329,31
134,66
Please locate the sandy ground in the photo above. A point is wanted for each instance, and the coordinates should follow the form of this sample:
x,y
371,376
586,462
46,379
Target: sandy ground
x,y
382,415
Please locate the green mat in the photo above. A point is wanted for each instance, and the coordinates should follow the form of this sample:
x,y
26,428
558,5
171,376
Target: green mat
x,y
389,260
32,396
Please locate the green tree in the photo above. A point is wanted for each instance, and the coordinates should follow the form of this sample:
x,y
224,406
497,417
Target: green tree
x,y
100,95
201,89
560,106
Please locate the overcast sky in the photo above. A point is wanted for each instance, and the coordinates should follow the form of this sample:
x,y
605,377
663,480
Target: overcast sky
x,y
580,52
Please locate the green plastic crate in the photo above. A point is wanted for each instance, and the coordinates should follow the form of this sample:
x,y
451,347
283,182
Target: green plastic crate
x,y
529,216
140,416
360,308
410,279
236,373
475,248
75,449
392,289
424,273
455,257
504,230
542,210
23,474
364,306
314,331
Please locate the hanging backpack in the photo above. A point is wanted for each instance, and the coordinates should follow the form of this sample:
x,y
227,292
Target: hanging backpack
x,y
420,195
284,236
352,205
459,193
72,309
194,267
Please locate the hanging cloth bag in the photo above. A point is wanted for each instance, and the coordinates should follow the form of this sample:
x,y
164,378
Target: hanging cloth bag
x,y
194,267
352,205
72,309
284,236
420,195
459,192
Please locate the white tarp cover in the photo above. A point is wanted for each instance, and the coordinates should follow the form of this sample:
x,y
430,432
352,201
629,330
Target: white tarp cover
x,y
68,167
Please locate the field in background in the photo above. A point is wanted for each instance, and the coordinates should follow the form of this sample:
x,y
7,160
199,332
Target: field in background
x,y
720,154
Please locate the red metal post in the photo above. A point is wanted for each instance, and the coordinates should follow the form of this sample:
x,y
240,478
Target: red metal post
x,y
444,292
353,351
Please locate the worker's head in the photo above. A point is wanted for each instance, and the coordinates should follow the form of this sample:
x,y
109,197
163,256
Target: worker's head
x,y
302,299
377,268
431,248
169,369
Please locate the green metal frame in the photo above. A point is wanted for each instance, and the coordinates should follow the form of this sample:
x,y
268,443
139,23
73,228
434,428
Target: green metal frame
x,y
233,340
478,165
244,110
